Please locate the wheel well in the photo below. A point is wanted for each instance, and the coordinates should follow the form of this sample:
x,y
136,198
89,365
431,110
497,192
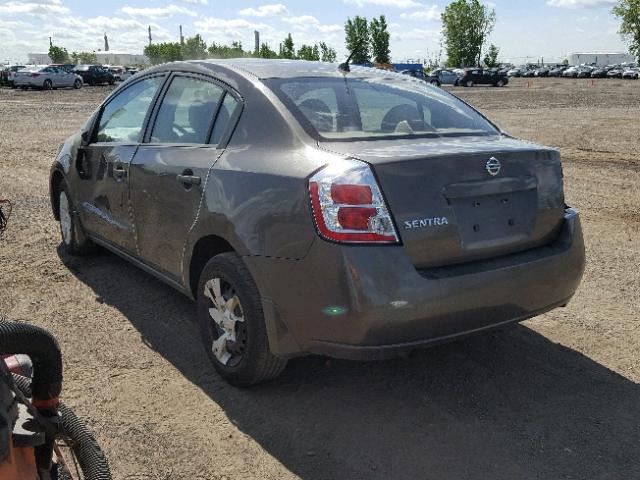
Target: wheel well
x,y
56,180
205,249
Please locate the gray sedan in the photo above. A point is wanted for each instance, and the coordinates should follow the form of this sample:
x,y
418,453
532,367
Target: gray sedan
x,y
46,78
307,208
446,77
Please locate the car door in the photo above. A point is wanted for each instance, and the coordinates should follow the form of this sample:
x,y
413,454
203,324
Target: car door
x,y
170,170
103,162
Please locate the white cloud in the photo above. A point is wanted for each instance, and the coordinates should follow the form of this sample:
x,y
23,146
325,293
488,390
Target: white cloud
x,y
429,14
581,3
330,28
196,2
301,20
265,11
158,12
385,3
34,8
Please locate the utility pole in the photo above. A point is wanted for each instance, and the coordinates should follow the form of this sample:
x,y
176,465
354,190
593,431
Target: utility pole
x,y
257,40
106,42
150,39
50,42
181,36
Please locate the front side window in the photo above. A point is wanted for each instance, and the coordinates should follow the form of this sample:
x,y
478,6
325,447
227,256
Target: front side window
x,y
187,111
123,117
377,106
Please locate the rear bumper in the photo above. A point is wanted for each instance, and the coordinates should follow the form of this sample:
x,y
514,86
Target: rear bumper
x,y
365,302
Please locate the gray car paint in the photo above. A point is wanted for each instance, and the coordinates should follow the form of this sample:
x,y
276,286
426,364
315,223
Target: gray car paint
x,y
254,196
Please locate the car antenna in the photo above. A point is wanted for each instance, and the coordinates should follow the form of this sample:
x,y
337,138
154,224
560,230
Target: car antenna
x,y
344,67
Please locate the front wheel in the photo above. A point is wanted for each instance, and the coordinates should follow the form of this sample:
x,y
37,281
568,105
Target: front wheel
x,y
500,83
469,83
47,85
74,239
232,323
77,84
435,83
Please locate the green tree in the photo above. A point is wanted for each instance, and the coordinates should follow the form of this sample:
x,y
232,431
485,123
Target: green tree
x,y
58,54
357,39
628,11
308,52
84,58
491,58
287,48
226,51
194,48
266,52
380,40
163,52
466,24
327,54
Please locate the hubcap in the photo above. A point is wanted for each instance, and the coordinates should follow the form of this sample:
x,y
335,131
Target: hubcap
x,y
229,329
65,218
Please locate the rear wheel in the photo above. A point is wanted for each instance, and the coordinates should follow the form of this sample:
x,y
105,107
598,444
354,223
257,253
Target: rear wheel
x,y
500,83
469,83
47,85
232,323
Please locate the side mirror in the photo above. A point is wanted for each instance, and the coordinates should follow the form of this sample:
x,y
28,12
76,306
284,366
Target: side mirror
x,y
85,137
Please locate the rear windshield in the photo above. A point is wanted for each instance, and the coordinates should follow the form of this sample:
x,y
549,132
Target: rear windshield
x,y
377,107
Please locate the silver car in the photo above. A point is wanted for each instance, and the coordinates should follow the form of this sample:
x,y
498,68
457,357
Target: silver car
x,y
446,77
46,78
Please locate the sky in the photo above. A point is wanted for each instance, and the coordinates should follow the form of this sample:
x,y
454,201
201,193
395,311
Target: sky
x,y
526,30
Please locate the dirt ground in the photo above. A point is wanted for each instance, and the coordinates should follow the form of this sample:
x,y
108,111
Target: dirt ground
x,y
557,397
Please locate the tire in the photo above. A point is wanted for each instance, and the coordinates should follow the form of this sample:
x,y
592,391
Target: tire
x,y
47,85
77,84
244,359
74,239
500,83
435,83
469,83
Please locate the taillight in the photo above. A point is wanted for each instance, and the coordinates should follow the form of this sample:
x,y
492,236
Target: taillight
x,y
348,206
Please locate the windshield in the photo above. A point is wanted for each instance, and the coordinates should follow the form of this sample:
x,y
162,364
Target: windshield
x,y
370,107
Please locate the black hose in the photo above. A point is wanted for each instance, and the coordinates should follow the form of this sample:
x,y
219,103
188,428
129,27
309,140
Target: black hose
x,y
45,354
92,461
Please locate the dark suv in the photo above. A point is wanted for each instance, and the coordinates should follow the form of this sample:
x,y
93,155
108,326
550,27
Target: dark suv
x,y
95,74
479,76
308,210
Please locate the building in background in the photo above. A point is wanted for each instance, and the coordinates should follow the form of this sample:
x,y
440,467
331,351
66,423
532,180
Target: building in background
x,y
112,57
600,59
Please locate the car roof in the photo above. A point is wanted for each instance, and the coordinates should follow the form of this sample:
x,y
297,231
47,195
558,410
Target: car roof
x,y
264,69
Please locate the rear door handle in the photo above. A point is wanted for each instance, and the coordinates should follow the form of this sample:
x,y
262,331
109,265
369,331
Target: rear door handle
x,y
188,180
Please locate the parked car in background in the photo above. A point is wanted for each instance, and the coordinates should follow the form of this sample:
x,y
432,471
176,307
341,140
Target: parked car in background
x,y
7,76
422,76
117,72
303,220
600,72
95,74
557,71
128,73
515,72
541,72
445,76
528,73
478,76
584,72
630,74
571,72
615,72
67,67
46,78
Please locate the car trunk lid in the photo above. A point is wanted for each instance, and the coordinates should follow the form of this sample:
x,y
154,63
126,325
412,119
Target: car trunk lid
x,y
463,199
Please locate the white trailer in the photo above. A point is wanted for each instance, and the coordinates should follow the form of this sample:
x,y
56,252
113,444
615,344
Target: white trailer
x,y
600,59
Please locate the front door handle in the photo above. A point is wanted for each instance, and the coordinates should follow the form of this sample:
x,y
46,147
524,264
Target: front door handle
x,y
187,179
119,172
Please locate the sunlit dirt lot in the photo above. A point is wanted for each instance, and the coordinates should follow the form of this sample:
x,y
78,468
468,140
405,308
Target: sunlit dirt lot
x,y
556,397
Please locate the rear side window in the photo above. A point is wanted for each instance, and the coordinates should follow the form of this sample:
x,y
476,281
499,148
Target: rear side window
x,y
187,111
123,117
227,110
